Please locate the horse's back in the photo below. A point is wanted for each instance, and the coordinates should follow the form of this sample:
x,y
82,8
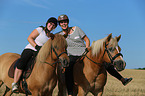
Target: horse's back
x,y
8,57
5,62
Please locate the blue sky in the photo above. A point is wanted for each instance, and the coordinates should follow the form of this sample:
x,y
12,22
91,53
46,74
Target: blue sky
x,y
97,18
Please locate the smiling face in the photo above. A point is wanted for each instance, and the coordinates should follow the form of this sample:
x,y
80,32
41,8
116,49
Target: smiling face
x,y
51,26
63,24
63,21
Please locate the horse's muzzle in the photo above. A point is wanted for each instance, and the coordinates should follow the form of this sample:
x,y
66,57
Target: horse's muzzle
x,y
64,62
119,65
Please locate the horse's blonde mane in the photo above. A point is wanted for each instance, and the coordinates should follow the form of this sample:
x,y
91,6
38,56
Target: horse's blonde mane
x,y
97,46
58,43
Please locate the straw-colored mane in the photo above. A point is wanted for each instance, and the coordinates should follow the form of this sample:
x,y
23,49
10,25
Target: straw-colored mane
x,y
97,46
58,43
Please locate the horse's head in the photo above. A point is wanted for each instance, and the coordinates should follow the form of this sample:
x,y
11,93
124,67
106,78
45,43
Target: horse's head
x,y
59,45
54,51
112,52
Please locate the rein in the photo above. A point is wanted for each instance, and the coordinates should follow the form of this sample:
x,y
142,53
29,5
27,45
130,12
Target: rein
x,y
85,55
106,50
92,60
51,64
109,55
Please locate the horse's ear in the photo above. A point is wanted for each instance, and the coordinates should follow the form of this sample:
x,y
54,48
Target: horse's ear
x,y
109,37
118,38
119,48
52,36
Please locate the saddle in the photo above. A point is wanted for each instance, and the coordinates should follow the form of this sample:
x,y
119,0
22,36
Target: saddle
x,y
25,75
26,72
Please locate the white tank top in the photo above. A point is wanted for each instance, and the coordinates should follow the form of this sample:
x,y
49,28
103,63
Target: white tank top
x,y
40,39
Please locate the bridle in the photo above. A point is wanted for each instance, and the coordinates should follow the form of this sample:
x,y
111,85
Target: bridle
x,y
106,50
57,54
51,64
109,55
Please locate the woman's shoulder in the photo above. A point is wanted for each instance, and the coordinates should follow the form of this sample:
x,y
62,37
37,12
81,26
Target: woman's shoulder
x,y
76,28
39,29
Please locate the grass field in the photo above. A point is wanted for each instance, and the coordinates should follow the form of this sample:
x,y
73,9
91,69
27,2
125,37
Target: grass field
x,y
115,87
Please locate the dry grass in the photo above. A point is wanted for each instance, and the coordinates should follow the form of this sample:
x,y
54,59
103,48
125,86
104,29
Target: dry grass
x,y
135,88
115,87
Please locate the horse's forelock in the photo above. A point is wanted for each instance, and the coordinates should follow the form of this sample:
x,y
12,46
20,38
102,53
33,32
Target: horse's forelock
x,y
113,42
59,42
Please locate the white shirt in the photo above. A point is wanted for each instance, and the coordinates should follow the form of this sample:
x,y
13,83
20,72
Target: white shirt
x,y
40,39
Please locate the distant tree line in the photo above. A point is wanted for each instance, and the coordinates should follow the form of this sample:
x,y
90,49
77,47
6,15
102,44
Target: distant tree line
x,y
141,68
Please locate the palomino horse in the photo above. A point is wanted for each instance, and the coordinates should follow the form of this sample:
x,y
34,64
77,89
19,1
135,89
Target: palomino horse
x,y
43,78
89,72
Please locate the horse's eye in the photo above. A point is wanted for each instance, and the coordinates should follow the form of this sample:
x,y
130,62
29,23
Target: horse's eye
x,y
111,49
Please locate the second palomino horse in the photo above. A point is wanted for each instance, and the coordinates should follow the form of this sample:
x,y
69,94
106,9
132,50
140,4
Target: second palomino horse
x,y
90,73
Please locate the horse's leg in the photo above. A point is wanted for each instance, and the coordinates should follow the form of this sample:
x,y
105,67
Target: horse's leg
x,y
8,92
62,91
97,93
1,83
48,93
81,92
35,93
75,90
100,93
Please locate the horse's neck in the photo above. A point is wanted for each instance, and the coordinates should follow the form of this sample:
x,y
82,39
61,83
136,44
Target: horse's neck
x,y
96,58
94,63
46,66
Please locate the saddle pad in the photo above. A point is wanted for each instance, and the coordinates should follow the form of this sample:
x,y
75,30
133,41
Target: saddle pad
x,y
26,72
12,69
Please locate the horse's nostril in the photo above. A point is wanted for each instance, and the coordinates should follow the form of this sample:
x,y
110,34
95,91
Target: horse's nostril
x,y
119,65
64,62
120,62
